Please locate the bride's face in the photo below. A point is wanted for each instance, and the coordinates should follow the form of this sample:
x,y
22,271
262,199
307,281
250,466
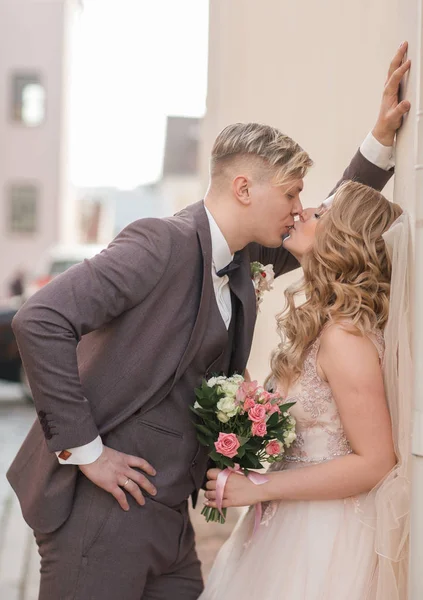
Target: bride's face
x,y
301,235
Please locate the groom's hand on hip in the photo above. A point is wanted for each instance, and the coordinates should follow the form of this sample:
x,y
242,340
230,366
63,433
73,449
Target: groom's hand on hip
x,y
115,473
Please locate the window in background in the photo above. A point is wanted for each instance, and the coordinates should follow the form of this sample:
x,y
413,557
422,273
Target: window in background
x,y
23,208
28,99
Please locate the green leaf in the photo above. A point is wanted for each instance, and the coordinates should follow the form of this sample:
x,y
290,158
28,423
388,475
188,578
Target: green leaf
x,y
206,402
243,440
203,429
273,420
250,461
279,435
220,459
241,452
196,411
228,462
215,455
204,440
205,415
286,407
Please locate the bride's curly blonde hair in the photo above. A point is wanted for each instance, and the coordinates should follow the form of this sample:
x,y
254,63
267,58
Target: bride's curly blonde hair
x,y
347,276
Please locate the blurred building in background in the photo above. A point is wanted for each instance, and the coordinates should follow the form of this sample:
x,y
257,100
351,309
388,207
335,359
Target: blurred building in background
x,y
104,211
316,72
36,209
180,183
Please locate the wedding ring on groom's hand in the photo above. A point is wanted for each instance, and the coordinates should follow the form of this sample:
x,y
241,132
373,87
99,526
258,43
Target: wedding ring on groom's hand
x,y
126,483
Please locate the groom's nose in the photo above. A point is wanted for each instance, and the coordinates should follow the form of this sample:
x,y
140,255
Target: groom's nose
x,y
297,209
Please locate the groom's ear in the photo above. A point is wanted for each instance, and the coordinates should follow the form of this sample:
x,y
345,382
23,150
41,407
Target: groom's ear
x,y
241,189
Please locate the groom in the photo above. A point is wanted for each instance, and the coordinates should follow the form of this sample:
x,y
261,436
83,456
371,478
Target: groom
x,y
114,348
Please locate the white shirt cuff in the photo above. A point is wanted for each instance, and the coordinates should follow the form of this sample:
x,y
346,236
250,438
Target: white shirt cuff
x,y
83,455
378,154
328,201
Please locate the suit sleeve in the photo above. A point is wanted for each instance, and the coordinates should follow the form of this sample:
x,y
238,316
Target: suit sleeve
x,y
363,171
84,298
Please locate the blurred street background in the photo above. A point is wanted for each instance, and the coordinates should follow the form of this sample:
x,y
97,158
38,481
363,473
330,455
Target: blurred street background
x,y
108,111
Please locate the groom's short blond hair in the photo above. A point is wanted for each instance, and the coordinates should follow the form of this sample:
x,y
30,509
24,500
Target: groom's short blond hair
x,y
265,147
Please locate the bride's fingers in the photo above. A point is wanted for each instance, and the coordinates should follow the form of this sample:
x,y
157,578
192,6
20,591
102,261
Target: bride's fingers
x,y
210,495
213,473
211,485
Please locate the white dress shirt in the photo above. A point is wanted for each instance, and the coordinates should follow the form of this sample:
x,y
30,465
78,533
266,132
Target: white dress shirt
x,y
374,151
221,257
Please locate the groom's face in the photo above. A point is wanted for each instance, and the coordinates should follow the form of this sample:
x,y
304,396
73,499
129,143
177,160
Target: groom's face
x,y
275,207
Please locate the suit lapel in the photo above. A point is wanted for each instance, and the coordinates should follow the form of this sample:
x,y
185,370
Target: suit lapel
x,y
198,331
241,285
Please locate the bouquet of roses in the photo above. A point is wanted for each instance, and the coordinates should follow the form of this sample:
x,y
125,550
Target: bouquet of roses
x,y
243,425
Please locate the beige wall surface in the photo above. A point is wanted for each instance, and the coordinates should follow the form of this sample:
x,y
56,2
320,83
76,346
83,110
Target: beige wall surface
x,y
315,70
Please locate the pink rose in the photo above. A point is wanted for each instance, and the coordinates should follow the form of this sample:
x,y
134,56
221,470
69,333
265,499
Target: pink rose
x,y
257,413
227,444
268,406
274,408
259,429
249,403
273,448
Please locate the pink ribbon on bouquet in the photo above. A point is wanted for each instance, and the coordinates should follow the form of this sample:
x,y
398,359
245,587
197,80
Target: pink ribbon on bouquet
x,y
255,478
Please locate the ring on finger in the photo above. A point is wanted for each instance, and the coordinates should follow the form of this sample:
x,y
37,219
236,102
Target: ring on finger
x,y
126,483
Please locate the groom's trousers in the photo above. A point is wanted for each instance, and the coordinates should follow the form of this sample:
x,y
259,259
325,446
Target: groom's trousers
x,y
104,553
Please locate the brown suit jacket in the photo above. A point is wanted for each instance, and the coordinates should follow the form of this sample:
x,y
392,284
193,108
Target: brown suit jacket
x,y
92,339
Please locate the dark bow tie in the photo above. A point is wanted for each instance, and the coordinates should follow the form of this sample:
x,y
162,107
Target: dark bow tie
x,y
232,266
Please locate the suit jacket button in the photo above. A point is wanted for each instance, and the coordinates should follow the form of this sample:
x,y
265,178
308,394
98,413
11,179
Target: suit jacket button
x,y
42,414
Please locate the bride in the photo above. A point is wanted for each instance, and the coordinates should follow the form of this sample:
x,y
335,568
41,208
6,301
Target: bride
x,y
334,524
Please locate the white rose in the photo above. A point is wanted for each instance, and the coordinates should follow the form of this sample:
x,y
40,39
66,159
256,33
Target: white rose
x,y
289,437
237,378
223,418
292,422
197,405
212,381
227,406
229,388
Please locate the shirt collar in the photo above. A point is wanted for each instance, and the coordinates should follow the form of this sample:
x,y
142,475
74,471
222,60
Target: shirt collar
x,y
220,250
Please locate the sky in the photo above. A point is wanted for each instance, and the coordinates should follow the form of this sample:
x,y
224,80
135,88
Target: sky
x,y
134,62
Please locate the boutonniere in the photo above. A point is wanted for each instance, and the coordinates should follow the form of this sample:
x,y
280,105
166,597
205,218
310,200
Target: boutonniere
x,y
263,278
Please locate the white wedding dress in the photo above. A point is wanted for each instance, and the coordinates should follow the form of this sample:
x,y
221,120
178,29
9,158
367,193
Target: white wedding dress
x,y
303,550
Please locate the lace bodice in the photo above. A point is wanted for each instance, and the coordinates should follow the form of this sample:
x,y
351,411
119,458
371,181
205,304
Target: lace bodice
x,y
320,435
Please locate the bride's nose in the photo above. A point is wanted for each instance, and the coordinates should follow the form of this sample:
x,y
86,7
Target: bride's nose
x,y
307,213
